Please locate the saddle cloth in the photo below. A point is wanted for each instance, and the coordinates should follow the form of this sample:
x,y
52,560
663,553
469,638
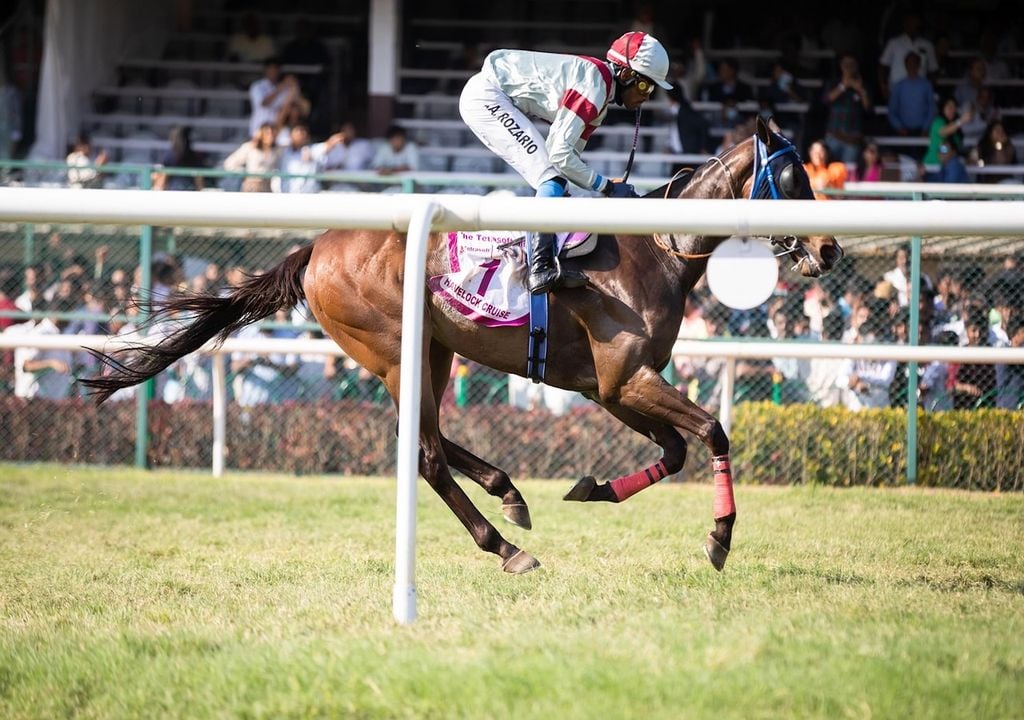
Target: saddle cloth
x,y
486,280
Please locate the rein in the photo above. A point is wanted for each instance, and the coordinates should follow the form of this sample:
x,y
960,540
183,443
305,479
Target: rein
x,y
764,175
659,240
632,150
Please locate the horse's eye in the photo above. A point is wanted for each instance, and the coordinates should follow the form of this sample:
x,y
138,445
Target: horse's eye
x,y
788,182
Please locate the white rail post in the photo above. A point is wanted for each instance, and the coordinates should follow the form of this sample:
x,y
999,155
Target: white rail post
x,y
220,402
728,389
411,380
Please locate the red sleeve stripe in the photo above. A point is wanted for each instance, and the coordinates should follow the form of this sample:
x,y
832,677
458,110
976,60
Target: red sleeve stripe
x,y
587,132
578,104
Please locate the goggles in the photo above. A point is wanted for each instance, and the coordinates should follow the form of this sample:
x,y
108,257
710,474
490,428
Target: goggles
x,y
643,85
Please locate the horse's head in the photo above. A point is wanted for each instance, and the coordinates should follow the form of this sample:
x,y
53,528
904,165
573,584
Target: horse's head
x,y
779,175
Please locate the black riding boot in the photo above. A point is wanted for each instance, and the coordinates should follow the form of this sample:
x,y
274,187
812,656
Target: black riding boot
x,y
545,272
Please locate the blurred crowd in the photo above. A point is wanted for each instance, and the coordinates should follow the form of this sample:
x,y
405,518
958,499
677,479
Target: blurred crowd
x,y
962,303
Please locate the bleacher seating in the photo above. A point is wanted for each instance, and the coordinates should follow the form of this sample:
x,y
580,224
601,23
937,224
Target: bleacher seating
x,y
192,84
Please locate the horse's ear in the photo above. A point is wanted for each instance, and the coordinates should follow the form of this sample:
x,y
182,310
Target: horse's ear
x,y
762,131
774,126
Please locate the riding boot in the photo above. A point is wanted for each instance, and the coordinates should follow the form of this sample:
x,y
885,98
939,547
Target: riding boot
x,y
543,272
546,273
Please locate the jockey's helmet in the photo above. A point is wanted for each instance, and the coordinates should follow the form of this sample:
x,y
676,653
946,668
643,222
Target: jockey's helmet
x,y
643,54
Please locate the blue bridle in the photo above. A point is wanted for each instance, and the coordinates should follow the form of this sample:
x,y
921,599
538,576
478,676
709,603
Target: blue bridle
x,y
765,185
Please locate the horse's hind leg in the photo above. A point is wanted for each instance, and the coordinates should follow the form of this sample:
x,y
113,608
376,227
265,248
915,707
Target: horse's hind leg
x,y
434,468
493,480
673,457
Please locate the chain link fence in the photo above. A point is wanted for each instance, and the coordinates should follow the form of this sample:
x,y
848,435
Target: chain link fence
x,y
311,414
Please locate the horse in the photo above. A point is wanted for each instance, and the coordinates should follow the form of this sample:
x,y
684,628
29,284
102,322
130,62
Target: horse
x,y
610,338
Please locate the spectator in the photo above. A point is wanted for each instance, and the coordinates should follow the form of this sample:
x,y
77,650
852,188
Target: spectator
x,y
1010,378
256,377
180,155
945,143
983,111
996,148
932,391
823,373
783,87
822,173
912,102
6,305
891,68
690,71
353,152
269,94
39,373
293,113
848,103
966,92
727,86
995,69
693,129
250,44
259,155
80,175
396,154
869,164
899,276
867,382
793,371
973,385
302,158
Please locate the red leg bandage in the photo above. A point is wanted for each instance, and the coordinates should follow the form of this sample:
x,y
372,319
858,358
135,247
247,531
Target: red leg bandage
x,y
724,502
629,485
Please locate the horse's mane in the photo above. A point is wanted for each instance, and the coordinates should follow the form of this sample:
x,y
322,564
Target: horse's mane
x,y
679,182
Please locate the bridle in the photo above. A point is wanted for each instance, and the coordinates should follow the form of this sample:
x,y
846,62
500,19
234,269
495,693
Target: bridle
x,y
764,187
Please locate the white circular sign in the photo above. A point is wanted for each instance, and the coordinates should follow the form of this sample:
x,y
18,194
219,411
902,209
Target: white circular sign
x,y
742,273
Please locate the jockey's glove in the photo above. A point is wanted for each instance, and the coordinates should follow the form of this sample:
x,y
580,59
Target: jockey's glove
x,y
620,190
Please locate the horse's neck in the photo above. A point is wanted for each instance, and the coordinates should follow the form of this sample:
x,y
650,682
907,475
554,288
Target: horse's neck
x,y
722,177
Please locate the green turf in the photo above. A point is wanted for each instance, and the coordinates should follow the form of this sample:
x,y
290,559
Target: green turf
x,y
132,595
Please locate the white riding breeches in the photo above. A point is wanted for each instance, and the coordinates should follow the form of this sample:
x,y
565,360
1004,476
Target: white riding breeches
x,y
503,128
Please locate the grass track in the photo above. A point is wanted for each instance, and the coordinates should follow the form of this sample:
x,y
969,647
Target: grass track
x,y
128,595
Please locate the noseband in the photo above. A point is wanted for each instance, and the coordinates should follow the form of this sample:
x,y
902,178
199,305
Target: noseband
x,y
766,186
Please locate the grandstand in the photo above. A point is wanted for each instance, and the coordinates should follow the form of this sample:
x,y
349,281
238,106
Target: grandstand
x,y
188,75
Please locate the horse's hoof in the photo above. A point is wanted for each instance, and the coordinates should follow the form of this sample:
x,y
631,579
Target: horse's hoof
x,y
715,552
582,489
521,562
518,514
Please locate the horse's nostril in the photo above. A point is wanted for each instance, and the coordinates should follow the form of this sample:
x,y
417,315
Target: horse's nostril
x,y
831,254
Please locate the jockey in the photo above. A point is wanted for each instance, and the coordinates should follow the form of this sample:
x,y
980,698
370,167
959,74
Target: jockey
x,y
572,93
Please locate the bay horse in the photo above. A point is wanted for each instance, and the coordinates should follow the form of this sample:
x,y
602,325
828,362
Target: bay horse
x,y
610,338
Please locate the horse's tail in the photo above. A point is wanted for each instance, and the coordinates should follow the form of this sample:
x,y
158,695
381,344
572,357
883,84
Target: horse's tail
x,y
208,316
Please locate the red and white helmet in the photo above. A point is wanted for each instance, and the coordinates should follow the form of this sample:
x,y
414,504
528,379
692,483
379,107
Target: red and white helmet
x,y
643,53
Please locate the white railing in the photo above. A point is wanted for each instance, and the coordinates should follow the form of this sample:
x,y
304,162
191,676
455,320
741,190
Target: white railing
x,y
419,214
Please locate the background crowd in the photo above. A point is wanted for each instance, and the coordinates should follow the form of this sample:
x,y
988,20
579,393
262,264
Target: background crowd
x,y
838,81
961,304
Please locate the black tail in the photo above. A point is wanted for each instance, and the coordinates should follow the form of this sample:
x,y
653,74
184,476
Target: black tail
x,y
208,315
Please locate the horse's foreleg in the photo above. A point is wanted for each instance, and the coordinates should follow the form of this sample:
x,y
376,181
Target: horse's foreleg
x,y
493,480
648,393
673,456
433,467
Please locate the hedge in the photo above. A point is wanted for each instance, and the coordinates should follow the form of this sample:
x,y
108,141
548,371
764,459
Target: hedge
x,y
771,444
